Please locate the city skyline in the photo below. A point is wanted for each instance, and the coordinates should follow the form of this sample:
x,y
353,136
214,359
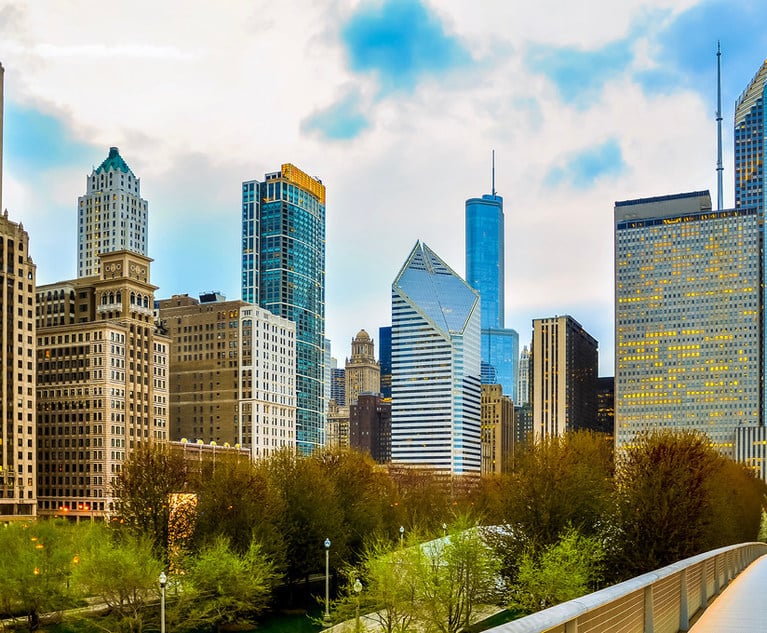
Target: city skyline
x,y
617,108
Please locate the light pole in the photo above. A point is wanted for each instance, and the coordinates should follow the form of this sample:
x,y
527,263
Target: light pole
x,y
163,580
357,589
327,580
444,529
401,535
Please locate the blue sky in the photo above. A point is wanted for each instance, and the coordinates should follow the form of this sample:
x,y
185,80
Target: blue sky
x,y
396,105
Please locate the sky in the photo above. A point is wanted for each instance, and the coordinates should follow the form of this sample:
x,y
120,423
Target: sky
x,y
396,105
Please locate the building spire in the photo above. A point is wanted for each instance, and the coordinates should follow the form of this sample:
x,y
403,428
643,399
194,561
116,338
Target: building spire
x,y
492,177
719,168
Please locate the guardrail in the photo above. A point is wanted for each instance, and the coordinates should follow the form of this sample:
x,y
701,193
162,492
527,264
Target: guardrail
x,y
662,601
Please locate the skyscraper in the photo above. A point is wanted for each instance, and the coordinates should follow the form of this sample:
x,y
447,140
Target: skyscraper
x,y
485,272
749,143
111,216
283,270
687,317
523,383
384,360
565,362
363,375
435,366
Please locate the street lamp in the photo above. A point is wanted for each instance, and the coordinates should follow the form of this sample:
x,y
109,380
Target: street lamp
x,y
357,589
163,580
401,534
327,579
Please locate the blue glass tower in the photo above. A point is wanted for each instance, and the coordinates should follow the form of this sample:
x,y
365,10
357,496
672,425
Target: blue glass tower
x,y
485,272
384,361
435,366
283,270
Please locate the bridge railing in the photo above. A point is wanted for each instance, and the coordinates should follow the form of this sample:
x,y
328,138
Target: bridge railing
x,y
661,601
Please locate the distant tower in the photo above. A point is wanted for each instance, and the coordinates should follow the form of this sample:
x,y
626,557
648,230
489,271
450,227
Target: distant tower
x,y
283,270
435,366
363,375
523,389
111,216
485,272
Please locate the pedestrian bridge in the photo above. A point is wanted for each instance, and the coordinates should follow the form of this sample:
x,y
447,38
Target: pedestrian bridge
x,y
703,594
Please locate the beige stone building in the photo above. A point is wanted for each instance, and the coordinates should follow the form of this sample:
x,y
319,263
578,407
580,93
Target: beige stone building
x,y
497,422
18,463
232,373
102,382
363,373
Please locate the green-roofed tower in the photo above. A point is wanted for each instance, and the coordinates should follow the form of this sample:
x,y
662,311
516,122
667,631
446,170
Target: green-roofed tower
x,y
112,216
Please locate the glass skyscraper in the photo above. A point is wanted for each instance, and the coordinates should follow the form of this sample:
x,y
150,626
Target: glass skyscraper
x,y
283,270
435,351
485,272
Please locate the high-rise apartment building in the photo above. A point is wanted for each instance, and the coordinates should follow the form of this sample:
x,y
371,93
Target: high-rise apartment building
x,y
232,373
497,430
485,272
283,270
18,433
749,144
687,317
435,366
338,384
565,363
102,382
111,216
363,374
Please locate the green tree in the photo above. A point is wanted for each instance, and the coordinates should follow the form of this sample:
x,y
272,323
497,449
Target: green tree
x,y
221,587
35,567
150,474
454,575
566,570
121,571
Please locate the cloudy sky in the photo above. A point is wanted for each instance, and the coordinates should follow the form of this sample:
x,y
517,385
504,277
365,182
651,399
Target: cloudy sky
x,y
396,106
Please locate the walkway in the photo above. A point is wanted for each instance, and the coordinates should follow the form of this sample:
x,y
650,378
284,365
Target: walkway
x,y
742,605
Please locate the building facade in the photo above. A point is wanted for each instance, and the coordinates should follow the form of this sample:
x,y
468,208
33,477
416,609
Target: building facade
x,y
370,426
338,385
18,431
283,271
363,374
687,317
435,366
565,363
232,374
102,382
111,216
497,431
384,361
523,383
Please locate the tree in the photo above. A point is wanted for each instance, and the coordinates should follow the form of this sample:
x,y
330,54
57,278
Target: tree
x,y
221,587
309,513
35,567
238,501
677,497
454,575
150,474
566,570
121,571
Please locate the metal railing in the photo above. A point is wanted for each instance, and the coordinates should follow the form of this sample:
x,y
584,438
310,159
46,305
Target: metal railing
x,y
662,601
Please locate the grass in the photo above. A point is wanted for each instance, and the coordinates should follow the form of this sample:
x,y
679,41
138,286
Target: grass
x,y
507,615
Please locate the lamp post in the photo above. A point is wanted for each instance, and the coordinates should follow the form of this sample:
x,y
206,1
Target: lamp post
x,y
401,535
163,580
357,589
327,579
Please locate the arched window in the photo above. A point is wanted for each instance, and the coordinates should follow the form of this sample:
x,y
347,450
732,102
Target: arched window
x,y
146,301
119,297
132,298
104,299
111,297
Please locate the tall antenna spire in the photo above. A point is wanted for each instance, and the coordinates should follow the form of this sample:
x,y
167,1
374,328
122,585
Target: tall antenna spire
x,y
493,176
719,168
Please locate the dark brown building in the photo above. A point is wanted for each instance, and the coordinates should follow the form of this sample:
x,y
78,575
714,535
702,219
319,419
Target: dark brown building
x,y
370,426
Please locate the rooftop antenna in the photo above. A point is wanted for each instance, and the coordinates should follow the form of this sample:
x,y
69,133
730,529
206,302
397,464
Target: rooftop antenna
x,y
719,168
493,175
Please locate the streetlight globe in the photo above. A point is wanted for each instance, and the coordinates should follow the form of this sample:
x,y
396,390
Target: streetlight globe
x,y
327,543
163,579
357,586
401,529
